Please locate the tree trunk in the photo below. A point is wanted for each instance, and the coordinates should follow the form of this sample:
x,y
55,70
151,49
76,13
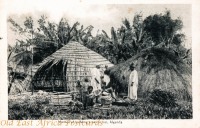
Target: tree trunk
x,y
10,83
9,88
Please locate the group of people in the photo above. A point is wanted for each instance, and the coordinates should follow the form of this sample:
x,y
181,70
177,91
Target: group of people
x,y
92,91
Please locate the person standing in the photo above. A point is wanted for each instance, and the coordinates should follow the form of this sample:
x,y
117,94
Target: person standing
x,y
133,83
96,81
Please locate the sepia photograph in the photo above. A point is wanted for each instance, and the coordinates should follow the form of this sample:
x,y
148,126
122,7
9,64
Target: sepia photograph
x,y
100,62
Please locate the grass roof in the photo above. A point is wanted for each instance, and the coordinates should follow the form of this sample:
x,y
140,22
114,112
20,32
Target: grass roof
x,y
158,68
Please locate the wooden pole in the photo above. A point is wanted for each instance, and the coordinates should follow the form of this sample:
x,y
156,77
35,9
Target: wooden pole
x,y
75,74
31,57
63,77
31,69
52,80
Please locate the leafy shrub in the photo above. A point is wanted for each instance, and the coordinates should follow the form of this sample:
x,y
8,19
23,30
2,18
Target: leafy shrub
x,y
163,98
30,108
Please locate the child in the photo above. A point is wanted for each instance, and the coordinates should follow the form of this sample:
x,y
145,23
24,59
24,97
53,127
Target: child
x,y
80,89
88,97
86,84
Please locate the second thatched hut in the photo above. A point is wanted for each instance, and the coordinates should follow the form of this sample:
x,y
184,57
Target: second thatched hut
x,y
158,68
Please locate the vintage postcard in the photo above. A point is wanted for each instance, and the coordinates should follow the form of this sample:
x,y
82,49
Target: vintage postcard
x,y
108,64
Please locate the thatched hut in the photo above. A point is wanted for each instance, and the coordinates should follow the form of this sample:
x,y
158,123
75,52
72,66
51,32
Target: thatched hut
x,y
61,70
158,68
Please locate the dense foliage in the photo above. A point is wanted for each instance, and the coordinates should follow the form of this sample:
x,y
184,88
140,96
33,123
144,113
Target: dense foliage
x,y
30,108
155,30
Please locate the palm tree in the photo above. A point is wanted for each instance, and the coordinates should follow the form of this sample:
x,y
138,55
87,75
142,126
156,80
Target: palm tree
x,y
23,58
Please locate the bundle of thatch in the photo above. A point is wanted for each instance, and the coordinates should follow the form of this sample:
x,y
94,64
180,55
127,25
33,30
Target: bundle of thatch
x,y
61,70
158,68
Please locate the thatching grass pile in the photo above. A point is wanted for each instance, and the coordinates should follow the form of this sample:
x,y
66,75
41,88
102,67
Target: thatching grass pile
x,y
158,68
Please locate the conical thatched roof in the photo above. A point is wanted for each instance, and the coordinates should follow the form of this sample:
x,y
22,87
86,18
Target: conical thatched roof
x,y
76,53
67,65
158,68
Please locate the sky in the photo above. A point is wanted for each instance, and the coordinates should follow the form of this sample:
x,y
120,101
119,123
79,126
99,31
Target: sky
x,y
101,16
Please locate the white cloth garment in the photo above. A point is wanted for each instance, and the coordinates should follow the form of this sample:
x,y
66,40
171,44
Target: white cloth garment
x,y
106,79
132,90
96,76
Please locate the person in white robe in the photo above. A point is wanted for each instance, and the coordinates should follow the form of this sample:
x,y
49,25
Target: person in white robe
x,y
133,83
96,80
106,79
